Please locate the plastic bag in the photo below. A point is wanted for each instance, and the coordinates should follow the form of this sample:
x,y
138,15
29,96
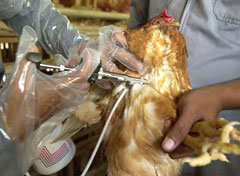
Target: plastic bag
x,y
113,47
30,97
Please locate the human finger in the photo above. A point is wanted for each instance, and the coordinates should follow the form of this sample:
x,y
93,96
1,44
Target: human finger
x,y
178,132
108,65
113,45
119,39
82,73
181,151
128,60
73,63
105,84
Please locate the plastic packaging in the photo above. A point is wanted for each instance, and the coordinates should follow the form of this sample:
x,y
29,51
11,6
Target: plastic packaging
x,y
30,97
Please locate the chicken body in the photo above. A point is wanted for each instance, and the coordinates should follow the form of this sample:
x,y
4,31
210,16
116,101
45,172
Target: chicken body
x,y
134,136
133,140
118,5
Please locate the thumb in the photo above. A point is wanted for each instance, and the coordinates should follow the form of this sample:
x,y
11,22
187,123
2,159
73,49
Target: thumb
x,y
177,133
119,39
73,63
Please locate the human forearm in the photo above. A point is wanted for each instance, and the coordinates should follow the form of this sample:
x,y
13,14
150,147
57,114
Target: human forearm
x,y
228,94
201,104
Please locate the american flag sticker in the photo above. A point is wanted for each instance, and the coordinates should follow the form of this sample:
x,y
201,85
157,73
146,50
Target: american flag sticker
x,y
49,159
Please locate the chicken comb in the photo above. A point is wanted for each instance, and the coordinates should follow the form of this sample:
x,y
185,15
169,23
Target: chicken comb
x,y
163,18
165,15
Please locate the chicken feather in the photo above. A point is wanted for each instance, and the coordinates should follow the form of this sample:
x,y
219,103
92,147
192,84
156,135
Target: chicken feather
x,y
134,137
133,140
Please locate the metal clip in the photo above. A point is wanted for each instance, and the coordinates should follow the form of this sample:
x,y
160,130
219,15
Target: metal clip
x,y
121,77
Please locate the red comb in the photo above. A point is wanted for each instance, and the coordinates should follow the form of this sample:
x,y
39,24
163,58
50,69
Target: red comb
x,y
162,19
165,15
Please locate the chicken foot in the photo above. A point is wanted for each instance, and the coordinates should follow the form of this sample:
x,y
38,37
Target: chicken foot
x,y
209,149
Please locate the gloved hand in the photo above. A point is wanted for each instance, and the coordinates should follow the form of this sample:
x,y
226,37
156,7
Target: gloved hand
x,y
113,50
113,47
31,97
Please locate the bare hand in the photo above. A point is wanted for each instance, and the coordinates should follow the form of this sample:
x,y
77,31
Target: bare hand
x,y
196,105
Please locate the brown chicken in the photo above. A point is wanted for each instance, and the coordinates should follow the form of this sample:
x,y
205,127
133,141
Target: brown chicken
x,y
133,140
118,5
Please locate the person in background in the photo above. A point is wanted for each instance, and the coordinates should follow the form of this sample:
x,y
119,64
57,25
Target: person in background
x,y
56,35
212,33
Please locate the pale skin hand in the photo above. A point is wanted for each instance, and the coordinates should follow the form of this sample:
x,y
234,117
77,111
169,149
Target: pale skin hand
x,y
48,96
45,95
117,50
200,104
113,54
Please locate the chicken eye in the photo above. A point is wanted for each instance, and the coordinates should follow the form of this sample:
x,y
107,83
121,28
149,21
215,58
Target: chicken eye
x,y
158,22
